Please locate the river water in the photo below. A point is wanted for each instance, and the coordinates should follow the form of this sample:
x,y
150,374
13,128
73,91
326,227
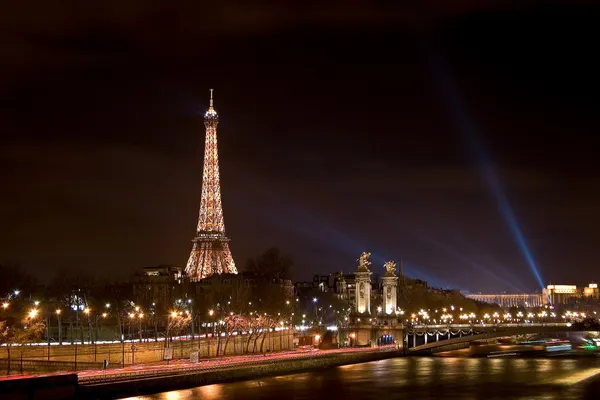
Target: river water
x,y
419,378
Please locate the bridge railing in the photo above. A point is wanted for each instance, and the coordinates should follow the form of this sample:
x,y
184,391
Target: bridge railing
x,y
507,325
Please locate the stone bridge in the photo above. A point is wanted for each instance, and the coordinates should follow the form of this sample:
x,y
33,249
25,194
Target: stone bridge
x,y
434,338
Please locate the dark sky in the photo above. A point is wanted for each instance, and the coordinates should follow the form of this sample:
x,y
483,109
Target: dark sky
x,y
357,127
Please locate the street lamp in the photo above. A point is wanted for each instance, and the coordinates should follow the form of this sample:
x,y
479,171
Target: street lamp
x,y
5,305
33,313
58,311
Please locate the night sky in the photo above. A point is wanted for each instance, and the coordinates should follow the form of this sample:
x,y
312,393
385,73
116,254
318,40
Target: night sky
x,y
357,127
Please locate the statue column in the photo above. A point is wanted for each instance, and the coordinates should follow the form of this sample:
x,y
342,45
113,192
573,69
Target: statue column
x,y
390,286
363,284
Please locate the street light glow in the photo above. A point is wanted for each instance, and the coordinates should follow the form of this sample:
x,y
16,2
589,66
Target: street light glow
x,y
33,313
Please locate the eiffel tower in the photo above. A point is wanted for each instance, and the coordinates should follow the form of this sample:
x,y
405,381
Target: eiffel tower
x,y
210,251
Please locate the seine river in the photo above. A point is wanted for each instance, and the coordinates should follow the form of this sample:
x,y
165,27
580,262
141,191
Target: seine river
x,y
419,378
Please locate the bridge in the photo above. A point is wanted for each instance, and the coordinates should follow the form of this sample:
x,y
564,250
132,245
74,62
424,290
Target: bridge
x,y
434,338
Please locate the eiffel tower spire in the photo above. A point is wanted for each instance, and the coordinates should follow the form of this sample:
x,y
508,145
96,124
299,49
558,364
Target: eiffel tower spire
x,y
210,251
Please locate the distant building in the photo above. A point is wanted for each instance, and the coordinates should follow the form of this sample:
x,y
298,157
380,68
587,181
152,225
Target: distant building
x,y
591,291
562,294
166,283
206,286
510,300
568,294
157,284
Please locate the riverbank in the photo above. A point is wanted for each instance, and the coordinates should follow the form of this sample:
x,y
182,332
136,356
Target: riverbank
x,y
158,380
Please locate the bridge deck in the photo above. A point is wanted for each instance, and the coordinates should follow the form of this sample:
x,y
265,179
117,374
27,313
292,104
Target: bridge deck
x,y
494,331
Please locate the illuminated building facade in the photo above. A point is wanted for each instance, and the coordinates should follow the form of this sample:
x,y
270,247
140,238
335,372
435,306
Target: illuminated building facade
x,y
511,300
210,251
591,291
562,294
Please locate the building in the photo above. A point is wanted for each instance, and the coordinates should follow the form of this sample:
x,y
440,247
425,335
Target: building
x,y
569,294
591,291
562,294
159,284
511,300
247,284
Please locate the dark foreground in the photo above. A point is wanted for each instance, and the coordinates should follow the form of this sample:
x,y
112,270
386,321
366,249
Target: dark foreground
x,y
420,378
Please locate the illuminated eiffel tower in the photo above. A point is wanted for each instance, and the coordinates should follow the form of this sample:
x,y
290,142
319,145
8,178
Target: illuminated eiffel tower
x,y
210,252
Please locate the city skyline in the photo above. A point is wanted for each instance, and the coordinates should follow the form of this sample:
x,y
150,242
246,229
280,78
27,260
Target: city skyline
x,y
337,140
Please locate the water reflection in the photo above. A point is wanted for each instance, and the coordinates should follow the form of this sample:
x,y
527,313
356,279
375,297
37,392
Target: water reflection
x,y
422,378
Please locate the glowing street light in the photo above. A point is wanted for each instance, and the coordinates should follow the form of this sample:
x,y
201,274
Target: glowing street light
x,y
86,310
174,314
33,313
5,305
107,305
211,312
58,312
104,315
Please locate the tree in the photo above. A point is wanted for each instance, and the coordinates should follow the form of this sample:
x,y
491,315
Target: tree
x,y
271,264
29,330
5,341
178,322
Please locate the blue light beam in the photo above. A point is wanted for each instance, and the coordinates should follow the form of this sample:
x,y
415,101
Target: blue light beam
x,y
459,112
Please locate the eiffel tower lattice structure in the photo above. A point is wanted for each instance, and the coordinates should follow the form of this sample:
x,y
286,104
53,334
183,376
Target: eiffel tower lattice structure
x,y
210,251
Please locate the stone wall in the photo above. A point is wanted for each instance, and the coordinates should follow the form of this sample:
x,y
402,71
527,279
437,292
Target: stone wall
x,y
265,368
149,351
